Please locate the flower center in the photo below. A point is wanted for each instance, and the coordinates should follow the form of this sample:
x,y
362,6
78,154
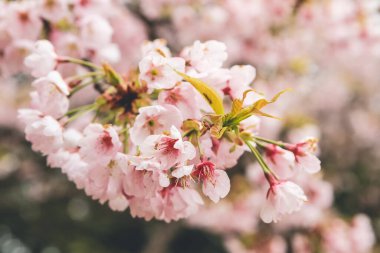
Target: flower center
x,y
154,73
173,98
23,16
205,171
166,146
105,141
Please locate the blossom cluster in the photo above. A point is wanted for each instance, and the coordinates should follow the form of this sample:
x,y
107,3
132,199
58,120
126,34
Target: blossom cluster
x,y
327,50
336,235
82,29
316,225
160,134
318,47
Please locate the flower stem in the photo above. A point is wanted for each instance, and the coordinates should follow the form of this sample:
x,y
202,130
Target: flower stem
x,y
277,143
84,76
259,158
79,109
80,62
75,113
79,87
260,144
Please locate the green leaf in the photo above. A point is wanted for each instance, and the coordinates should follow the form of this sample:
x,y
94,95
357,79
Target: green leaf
x,y
210,95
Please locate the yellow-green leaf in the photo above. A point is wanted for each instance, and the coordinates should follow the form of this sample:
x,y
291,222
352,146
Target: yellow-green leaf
x,y
210,95
237,104
263,102
111,76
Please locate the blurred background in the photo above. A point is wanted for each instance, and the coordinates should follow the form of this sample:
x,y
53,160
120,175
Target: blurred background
x,y
327,51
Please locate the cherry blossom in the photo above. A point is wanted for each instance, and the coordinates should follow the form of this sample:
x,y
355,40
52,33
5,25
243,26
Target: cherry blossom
x,y
185,98
146,177
169,149
107,183
43,59
177,202
283,198
45,133
154,120
154,138
225,154
28,116
54,10
205,56
99,144
96,32
158,71
216,183
305,159
241,76
22,20
50,96
183,171
72,165
281,160
14,55
157,47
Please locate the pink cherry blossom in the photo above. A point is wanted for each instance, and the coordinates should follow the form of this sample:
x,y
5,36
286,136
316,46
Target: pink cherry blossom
x,y
50,96
106,183
45,134
205,56
361,234
67,44
172,203
239,216
43,59
58,158
14,55
54,10
99,144
109,53
215,183
118,203
176,202
154,120
225,154
185,98
23,21
135,33
169,149
340,236
281,160
28,116
134,147
72,138
158,72
305,159
141,184
182,171
72,165
218,79
219,188
144,177
142,207
241,77
157,47
95,31
283,198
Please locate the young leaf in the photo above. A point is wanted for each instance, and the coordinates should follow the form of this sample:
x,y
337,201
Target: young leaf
x,y
210,95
